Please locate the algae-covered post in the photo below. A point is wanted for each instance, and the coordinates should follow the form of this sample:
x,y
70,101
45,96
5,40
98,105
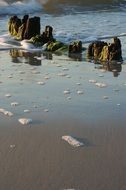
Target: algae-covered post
x,y
102,51
13,25
75,47
29,28
25,28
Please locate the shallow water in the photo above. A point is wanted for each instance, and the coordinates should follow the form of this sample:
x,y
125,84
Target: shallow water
x,y
22,78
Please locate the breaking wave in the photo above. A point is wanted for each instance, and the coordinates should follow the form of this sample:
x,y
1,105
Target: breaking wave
x,y
10,7
19,7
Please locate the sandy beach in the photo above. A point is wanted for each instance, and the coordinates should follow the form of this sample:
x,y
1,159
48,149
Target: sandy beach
x,y
62,97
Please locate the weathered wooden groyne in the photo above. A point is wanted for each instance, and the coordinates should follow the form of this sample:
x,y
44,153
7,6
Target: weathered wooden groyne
x,y
103,51
30,29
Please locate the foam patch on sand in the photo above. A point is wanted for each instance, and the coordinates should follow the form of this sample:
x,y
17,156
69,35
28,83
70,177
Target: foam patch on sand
x,y
8,95
100,85
25,121
72,141
80,92
62,74
66,91
14,104
41,83
5,112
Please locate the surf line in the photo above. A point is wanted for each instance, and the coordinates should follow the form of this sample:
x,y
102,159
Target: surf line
x,y
104,37
6,46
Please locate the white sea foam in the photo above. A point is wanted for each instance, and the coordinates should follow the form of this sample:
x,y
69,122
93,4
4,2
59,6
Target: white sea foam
x,y
25,121
72,141
118,104
105,97
80,92
62,74
14,104
8,113
58,65
40,82
8,95
47,77
46,110
10,76
5,112
100,85
40,58
65,69
69,98
68,76
26,45
26,111
66,91
101,75
92,81
12,145
78,83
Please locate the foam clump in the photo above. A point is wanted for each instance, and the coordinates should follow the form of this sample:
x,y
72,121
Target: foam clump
x,y
105,97
47,77
78,83
5,112
26,111
25,121
10,76
8,95
14,104
100,85
46,110
62,74
72,141
69,98
8,113
92,81
80,92
40,82
66,91
12,145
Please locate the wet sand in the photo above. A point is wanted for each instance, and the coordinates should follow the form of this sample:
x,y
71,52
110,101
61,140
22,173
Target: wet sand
x,y
35,156
40,159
